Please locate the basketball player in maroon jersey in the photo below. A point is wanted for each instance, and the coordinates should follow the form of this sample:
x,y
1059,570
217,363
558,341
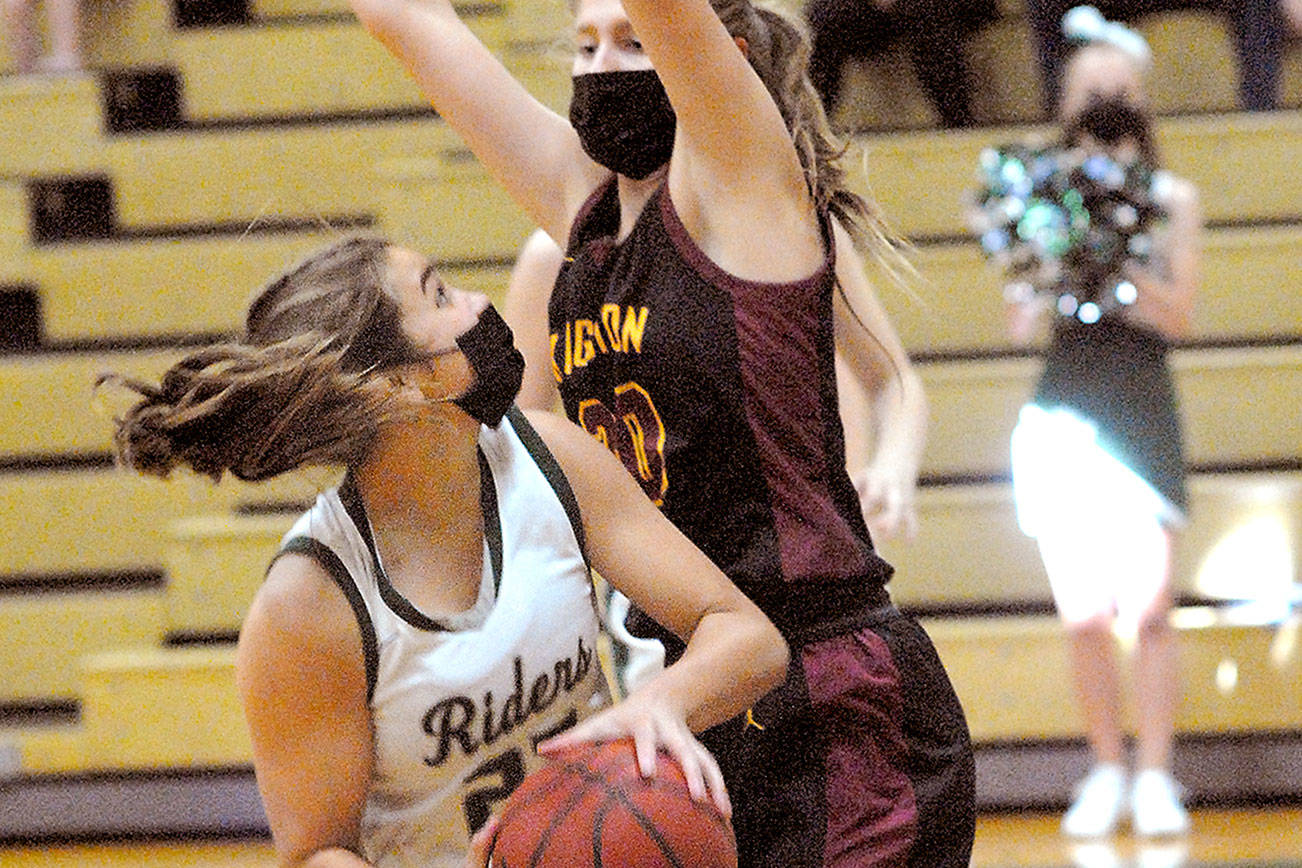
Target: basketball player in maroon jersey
x,y
694,190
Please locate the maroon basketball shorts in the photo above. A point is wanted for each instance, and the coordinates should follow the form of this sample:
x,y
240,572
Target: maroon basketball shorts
x,y
861,758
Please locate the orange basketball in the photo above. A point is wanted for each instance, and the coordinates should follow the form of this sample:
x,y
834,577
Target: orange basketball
x,y
590,806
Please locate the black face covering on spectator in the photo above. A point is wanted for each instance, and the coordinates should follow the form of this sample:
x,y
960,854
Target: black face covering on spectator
x,y
624,120
1109,120
498,366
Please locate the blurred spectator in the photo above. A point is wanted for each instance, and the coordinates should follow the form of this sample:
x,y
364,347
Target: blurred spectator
x,y
1097,455
1257,28
935,33
62,18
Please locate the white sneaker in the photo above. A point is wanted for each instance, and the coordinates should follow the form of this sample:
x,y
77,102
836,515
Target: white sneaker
x,y
1099,803
1155,803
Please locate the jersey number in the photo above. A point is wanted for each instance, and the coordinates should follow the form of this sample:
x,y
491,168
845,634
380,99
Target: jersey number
x,y
634,432
508,768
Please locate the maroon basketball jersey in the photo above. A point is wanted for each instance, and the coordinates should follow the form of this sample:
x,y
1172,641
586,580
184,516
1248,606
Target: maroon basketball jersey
x,y
719,395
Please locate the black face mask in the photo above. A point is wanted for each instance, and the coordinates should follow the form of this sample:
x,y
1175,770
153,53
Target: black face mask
x,y
624,120
498,367
1109,120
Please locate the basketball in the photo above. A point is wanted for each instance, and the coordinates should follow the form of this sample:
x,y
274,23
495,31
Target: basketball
x,y
590,806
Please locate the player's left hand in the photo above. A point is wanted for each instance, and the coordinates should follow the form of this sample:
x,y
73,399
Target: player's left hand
x,y
652,725
886,497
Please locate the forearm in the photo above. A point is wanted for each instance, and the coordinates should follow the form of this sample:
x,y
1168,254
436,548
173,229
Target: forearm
x,y
900,418
856,407
731,660
388,20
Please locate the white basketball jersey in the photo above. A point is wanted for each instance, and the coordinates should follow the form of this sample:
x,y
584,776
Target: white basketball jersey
x,y
458,705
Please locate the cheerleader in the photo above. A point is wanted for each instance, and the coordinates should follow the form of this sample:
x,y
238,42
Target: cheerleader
x,y
1098,471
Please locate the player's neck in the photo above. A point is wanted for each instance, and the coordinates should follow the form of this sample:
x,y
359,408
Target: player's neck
x,y
422,475
633,196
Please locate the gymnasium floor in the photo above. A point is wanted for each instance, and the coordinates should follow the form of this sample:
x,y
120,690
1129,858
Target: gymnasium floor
x,y
1240,837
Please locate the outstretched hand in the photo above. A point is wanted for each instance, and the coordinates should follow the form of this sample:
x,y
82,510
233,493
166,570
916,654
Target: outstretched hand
x,y
651,724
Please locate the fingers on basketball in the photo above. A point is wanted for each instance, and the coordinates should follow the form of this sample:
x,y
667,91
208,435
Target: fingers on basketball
x,y
591,806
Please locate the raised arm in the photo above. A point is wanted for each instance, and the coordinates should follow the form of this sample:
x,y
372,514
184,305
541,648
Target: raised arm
x,y
532,151
525,310
883,406
300,676
734,655
734,176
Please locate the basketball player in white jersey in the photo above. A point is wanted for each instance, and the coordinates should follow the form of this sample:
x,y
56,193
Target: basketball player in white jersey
x,y
429,627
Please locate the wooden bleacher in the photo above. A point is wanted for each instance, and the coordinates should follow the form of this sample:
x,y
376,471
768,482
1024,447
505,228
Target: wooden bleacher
x,y
969,554
974,406
1252,268
1243,165
273,157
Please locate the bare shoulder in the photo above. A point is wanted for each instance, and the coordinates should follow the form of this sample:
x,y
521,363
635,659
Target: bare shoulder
x,y
541,251
534,272
300,604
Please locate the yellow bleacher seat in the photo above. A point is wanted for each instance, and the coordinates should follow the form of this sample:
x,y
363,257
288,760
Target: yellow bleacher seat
x,y
1194,69
969,551
107,520
1241,163
178,708
447,203
160,287
115,35
60,521
1248,291
974,405
172,288
1012,677
348,70
13,232
50,125
215,564
163,708
312,171
1006,89
44,635
264,9
542,64
127,33
1240,405
48,402
1292,77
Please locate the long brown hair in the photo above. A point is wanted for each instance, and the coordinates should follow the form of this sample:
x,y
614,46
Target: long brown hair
x,y
291,392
